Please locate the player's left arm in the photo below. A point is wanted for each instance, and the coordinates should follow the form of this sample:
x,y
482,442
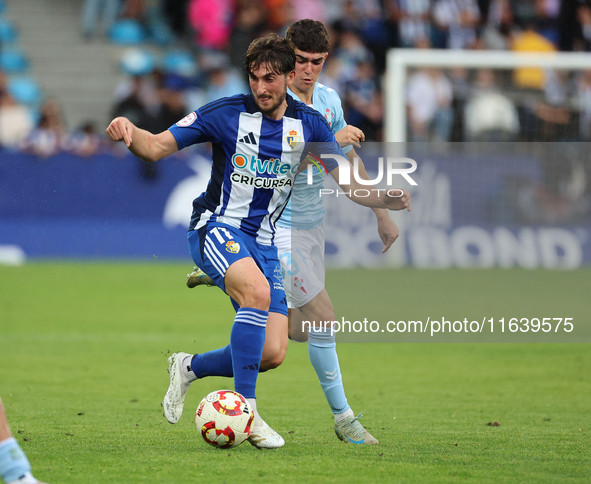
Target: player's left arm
x,y
370,196
387,229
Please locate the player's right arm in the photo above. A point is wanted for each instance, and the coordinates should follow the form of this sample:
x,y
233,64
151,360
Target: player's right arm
x,y
142,143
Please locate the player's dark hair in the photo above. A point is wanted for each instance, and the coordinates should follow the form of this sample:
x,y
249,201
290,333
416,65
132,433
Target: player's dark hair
x,y
274,51
309,36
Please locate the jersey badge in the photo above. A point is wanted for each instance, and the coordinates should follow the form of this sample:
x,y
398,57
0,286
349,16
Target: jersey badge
x,y
293,139
329,116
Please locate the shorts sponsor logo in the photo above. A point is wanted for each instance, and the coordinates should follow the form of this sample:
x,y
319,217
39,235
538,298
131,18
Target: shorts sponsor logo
x,y
187,120
233,247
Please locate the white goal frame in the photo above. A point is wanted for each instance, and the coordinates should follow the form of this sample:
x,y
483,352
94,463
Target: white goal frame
x,y
399,60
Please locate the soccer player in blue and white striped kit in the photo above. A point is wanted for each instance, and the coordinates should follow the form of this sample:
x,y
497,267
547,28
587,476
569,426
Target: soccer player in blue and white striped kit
x,y
300,232
256,155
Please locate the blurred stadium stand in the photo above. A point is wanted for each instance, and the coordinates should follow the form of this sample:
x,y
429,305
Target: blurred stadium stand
x,y
81,75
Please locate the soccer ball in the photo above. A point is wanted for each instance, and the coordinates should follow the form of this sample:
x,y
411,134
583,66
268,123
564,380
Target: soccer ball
x,y
224,419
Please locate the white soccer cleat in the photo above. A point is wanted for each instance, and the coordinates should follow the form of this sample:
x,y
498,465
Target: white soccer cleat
x,y
174,400
198,278
264,437
350,430
26,479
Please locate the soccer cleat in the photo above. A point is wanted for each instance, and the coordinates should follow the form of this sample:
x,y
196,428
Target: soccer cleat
x,y
350,430
26,479
174,400
264,437
198,278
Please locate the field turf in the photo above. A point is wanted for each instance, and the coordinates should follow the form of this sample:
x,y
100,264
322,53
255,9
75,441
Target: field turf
x,y
83,370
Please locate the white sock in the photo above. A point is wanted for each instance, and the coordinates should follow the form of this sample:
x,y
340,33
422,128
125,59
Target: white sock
x,y
186,370
338,417
258,421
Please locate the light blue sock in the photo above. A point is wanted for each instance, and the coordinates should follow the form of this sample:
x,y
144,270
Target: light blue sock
x,y
13,461
323,356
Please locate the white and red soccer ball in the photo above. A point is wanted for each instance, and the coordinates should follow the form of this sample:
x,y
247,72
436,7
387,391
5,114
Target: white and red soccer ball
x,y
224,419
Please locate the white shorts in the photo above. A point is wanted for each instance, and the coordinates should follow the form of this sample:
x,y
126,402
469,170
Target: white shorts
x,y
301,253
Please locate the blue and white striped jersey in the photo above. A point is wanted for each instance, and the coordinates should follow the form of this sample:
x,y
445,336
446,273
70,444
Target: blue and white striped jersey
x,y
305,209
255,160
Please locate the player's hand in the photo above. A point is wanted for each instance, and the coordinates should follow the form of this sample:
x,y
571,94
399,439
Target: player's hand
x,y
120,129
395,202
350,135
387,230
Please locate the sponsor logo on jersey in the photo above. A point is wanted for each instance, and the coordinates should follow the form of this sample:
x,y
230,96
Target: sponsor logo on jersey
x,y
293,139
260,182
232,247
187,120
272,166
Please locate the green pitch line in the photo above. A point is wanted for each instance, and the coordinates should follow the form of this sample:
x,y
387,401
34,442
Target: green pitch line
x,y
83,370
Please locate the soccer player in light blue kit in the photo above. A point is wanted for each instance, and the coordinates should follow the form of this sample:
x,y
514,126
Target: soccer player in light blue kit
x,y
232,229
14,465
300,232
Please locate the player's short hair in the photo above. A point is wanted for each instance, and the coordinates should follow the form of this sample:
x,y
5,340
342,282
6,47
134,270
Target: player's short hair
x,y
275,51
309,36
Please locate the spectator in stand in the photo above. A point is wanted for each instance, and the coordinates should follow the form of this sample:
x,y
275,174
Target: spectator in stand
x,y
15,120
145,88
553,116
350,51
46,139
548,13
224,81
530,41
429,101
279,13
84,141
211,22
175,12
364,101
250,22
172,105
457,20
93,10
584,21
489,115
132,105
302,9
135,9
413,18
498,21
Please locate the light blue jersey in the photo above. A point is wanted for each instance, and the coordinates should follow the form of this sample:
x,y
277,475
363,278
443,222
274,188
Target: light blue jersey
x,y
305,210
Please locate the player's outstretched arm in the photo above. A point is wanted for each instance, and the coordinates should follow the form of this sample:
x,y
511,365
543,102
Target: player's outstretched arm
x,y
142,143
370,196
387,229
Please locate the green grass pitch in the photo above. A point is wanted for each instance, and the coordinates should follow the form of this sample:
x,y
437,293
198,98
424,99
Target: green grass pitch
x,y
83,370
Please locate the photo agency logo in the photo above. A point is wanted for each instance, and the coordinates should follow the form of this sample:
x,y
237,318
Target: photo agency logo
x,y
388,167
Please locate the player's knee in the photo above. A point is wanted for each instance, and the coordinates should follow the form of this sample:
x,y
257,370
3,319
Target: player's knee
x,y
272,359
259,297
